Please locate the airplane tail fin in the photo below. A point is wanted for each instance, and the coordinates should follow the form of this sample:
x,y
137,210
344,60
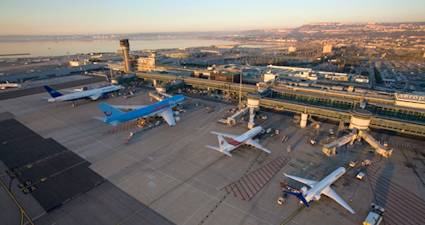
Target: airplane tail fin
x,y
300,196
223,146
108,110
221,141
52,91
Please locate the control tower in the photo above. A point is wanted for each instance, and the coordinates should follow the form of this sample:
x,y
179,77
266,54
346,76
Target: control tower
x,y
125,48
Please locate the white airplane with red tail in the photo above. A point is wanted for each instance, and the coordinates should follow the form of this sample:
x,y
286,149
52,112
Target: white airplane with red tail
x,y
229,142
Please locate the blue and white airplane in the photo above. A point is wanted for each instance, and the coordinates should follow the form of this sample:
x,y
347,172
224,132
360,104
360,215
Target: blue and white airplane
x,y
114,116
92,94
317,188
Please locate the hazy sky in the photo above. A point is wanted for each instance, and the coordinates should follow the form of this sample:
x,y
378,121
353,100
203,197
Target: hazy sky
x,y
131,16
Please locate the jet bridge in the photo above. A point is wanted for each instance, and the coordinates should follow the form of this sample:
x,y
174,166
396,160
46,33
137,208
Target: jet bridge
x,y
330,148
252,105
231,120
158,96
359,124
380,149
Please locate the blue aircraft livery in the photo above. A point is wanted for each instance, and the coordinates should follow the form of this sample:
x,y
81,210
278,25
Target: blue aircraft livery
x,y
163,108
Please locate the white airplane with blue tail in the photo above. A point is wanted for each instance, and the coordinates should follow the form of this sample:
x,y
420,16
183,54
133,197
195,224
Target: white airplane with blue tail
x,y
92,94
318,188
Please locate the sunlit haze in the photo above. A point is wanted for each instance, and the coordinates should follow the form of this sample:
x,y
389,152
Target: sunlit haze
x,y
18,17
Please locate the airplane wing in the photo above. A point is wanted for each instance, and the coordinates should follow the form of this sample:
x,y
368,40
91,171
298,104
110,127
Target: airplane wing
x,y
333,195
168,116
224,134
129,107
308,182
95,97
218,149
257,145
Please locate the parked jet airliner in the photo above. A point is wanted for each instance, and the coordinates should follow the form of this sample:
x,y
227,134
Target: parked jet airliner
x,y
317,188
229,142
114,116
9,85
93,94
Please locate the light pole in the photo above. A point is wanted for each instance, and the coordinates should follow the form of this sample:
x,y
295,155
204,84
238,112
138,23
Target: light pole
x,y
240,86
240,80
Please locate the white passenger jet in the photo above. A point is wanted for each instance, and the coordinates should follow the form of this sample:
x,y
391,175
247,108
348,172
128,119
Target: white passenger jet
x,y
229,142
317,188
92,94
9,85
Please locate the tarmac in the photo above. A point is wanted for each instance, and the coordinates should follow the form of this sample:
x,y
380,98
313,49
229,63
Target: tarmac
x,y
168,169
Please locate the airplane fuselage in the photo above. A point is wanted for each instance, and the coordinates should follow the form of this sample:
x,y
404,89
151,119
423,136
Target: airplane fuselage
x,y
9,85
315,192
229,142
318,188
245,136
146,111
98,92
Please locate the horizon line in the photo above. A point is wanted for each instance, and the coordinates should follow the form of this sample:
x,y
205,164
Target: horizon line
x,y
210,31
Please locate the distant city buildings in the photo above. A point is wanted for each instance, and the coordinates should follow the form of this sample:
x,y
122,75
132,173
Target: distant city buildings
x,y
227,76
334,76
327,49
177,54
414,100
269,76
298,74
146,63
361,79
116,66
75,63
292,49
